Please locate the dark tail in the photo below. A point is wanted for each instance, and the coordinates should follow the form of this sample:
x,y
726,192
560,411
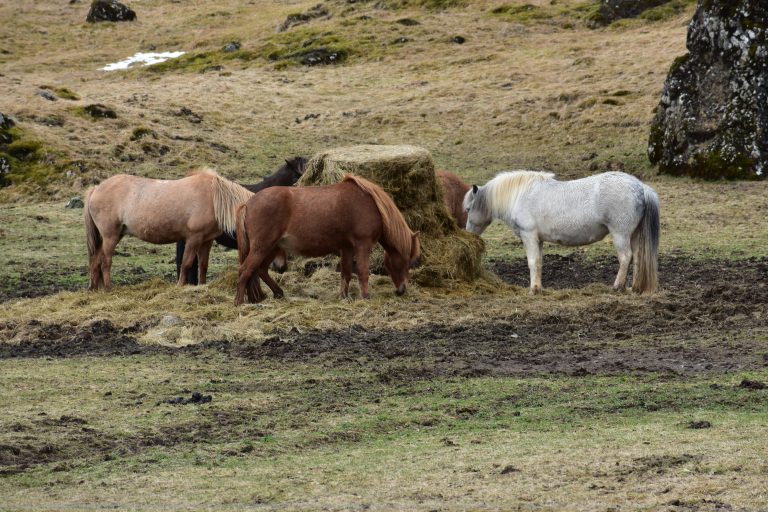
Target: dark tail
x,y
647,235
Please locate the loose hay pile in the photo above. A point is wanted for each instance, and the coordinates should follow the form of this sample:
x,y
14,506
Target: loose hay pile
x,y
407,173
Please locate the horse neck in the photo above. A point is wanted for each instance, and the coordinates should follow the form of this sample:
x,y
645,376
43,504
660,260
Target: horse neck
x,y
502,197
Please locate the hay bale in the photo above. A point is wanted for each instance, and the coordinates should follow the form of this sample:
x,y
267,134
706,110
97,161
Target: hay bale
x,y
407,173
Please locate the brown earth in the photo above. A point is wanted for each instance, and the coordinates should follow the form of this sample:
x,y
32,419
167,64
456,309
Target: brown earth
x,y
711,316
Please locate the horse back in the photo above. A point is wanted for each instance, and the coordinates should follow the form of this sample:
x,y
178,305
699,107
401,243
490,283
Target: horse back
x,y
313,221
157,211
453,195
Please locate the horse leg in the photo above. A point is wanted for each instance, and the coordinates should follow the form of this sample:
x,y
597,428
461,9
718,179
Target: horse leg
x,y
624,249
190,253
192,274
362,252
97,278
203,254
108,249
276,290
533,251
248,281
254,291
346,271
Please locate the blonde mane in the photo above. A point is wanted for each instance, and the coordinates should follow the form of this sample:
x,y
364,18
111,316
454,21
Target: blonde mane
x,y
503,191
396,230
227,198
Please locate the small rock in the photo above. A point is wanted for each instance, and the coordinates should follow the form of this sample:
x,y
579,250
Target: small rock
x,y
509,469
109,10
48,95
98,110
192,117
321,56
73,203
196,398
458,39
232,46
400,40
292,20
6,122
751,384
170,320
699,424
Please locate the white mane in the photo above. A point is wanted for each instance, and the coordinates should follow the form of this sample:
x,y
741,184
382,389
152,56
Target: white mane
x,y
501,193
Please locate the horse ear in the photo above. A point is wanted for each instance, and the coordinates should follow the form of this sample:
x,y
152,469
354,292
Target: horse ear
x,y
474,189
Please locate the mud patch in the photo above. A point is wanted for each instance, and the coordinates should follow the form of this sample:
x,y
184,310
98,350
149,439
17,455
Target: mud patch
x,y
99,338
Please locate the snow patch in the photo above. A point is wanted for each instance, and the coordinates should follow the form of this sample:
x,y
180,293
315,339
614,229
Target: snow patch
x,y
146,59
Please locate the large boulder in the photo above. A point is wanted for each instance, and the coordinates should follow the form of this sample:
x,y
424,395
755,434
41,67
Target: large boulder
x,y
407,173
109,10
612,10
712,120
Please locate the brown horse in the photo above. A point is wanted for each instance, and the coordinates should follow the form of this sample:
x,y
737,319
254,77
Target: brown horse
x,y
347,218
196,209
454,191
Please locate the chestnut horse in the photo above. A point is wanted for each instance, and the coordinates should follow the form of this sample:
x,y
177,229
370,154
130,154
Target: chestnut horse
x,y
347,218
286,175
454,191
197,209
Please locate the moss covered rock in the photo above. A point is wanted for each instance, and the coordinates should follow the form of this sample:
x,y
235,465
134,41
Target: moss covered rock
x,y
407,173
109,10
712,120
612,10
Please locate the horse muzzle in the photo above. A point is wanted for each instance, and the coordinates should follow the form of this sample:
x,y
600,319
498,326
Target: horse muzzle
x,y
400,290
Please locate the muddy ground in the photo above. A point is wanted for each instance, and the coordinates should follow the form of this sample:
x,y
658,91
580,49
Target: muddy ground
x,y
706,319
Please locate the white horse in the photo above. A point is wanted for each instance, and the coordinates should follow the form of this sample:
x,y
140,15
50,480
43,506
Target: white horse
x,y
541,209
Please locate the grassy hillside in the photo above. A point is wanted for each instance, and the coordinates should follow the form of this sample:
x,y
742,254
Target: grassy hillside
x,y
531,85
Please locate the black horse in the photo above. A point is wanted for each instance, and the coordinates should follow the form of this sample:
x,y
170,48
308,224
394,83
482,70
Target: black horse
x,y
287,175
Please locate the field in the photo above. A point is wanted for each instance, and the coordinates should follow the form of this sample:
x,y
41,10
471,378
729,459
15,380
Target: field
x,y
467,397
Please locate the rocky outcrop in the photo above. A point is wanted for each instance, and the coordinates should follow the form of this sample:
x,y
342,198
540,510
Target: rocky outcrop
x,y
712,119
109,10
612,10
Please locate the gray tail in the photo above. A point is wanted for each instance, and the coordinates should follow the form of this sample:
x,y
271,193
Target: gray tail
x,y
646,236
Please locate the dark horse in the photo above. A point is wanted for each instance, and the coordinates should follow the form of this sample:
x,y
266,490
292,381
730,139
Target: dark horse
x,y
347,219
286,176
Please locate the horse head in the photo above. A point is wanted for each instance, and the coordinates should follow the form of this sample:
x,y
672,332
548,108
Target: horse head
x,y
478,214
398,265
297,166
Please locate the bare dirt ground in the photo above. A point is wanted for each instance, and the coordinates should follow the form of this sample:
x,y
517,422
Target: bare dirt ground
x,y
705,322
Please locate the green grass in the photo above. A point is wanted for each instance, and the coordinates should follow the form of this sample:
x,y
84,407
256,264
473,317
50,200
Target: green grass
x,y
273,432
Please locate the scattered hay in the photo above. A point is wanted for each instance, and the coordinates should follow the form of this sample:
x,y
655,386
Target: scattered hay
x,y
407,173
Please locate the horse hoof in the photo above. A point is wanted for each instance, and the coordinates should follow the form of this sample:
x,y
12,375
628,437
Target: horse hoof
x,y
619,289
535,291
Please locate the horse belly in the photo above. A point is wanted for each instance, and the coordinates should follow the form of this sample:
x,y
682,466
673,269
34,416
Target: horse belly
x,y
311,246
574,235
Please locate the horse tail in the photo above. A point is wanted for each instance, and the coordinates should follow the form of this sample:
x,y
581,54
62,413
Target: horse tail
x,y
396,231
227,198
647,236
92,236
242,235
